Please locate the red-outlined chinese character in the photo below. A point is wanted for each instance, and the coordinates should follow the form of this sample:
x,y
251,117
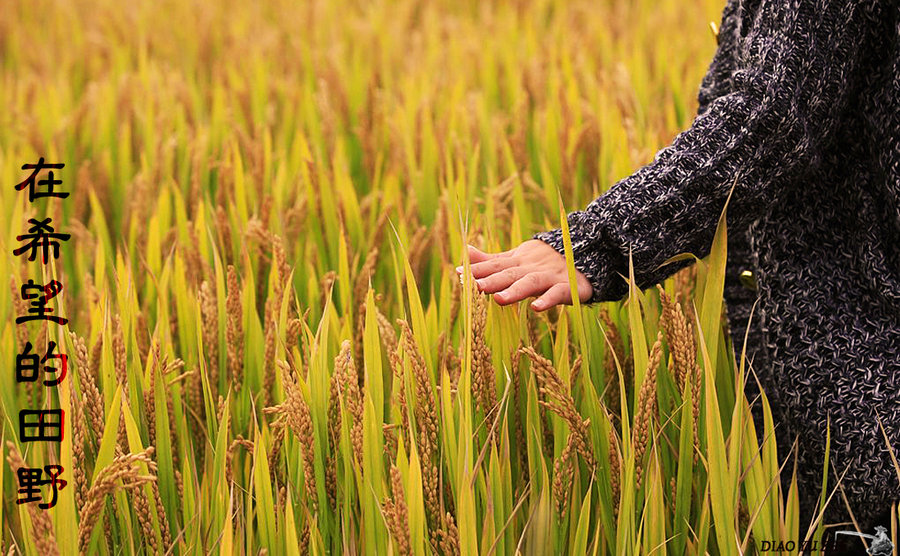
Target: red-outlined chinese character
x,y
49,426
41,236
39,302
30,483
30,183
28,364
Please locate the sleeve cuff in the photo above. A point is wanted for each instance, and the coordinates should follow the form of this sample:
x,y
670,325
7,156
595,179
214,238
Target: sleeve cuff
x,y
596,255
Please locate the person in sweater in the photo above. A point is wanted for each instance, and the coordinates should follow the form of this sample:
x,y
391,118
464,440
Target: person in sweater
x,y
799,111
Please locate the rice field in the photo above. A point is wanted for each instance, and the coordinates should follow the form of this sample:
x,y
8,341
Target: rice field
x,y
269,348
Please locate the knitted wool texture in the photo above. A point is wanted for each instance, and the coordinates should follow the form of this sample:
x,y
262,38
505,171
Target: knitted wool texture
x,y
799,108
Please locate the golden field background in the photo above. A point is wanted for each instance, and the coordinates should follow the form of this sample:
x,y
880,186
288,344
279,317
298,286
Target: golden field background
x,y
270,351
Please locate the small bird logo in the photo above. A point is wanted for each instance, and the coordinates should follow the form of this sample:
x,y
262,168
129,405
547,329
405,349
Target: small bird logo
x,y
881,544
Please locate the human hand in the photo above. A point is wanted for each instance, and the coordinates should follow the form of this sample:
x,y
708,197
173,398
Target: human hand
x,y
533,269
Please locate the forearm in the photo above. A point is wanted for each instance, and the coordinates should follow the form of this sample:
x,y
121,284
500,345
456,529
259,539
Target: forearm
x,y
760,137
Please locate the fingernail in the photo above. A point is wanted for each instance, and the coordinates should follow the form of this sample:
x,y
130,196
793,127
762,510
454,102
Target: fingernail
x,y
480,283
459,270
537,304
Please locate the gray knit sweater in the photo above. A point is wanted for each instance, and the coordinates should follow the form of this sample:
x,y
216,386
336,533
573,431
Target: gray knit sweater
x,y
800,105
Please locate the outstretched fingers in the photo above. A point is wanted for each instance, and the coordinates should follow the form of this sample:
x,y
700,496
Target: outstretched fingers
x,y
529,285
491,266
500,280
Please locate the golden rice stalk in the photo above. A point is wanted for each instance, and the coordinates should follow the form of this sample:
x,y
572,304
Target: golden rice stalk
x,y
391,444
440,231
210,328
235,330
576,372
44,538
560,401
563,470
680,337
269,355
615,469
610,372
343,387
449,536
80,440
426,423
95,358
277,443
360,288
515,358
119,352
304,538
392,347
484,388
419,247
294,413
239,441
92,399
684,281
143,336
455,302
149,405
396,514
325,285
160,511
121,373
352,396
142,509
122,473
646,408
292,334
223,228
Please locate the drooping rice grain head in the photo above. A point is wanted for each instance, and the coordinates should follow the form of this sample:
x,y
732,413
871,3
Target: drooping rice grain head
x,y
294,413
235,330
238,442
396,513
223,228
143,336
42,532
517,401
426,422
209,314
680,338
419,245
149,405
613,399
274,453
361,284
646,409
392,347
576,372
79,433
559,400
269,353
615,469
325,285
119,352
92,400
449,536
563,470
123,473
483,382
142,509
